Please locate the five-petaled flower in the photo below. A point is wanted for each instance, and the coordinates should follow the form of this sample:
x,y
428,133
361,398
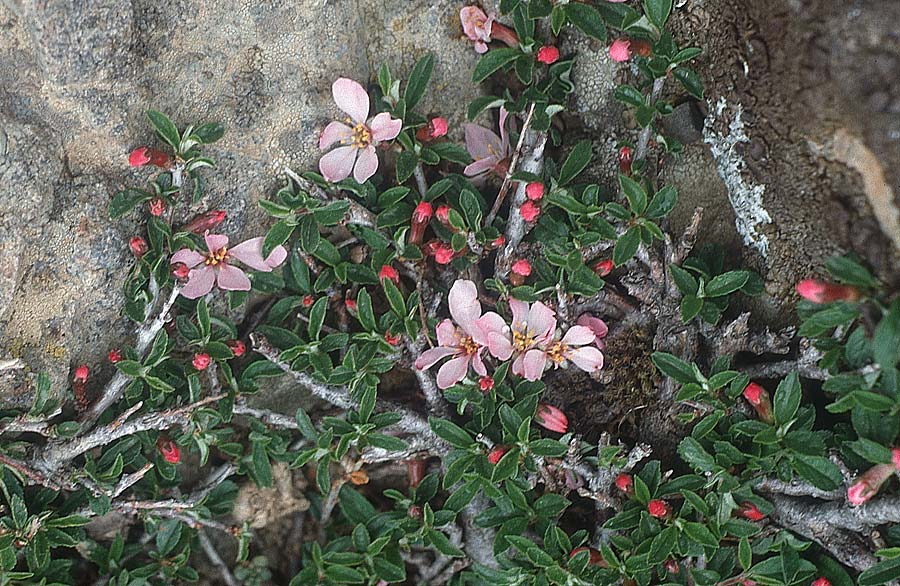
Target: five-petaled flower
x,y
490,152
215,265
481,29
356,154
463,342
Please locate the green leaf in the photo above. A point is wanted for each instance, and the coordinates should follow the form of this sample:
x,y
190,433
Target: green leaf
x,y
209,132
658,11
847,270
450,151
690,81
685,281
745,554
418,81
395,298
881,573
317,318
693,453
871,451
626,246
629,96
674,367
587,19
277,235
406,165
700,534
482,103
471,209
637,197
492,61
662,545
454,434
886,343
164,128
662,203
726,283
787,398
818,471
365,313
261,467
124,201
690,307
576,162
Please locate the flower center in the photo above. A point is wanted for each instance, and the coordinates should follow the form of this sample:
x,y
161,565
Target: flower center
x,y
557,353
468,346
362,136
216,258
522,338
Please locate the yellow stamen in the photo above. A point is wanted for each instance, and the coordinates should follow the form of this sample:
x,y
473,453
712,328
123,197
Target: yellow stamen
x,y
217,257
557,353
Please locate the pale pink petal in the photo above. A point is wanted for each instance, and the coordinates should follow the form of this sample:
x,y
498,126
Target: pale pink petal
x,y
487,324
338,164
578,336
464,305
334,132
188,257
504,137
215,242
481,142
587,358
481,47
276,257
533,364
249,252
541,321
518,365
351,98
384,127
519,311
232,279
478,364
597,325
480,166
446,333
366,164
200,282
500,346
429,357
452,371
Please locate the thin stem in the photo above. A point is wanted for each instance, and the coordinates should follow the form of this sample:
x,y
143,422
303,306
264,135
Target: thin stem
x,y
510,171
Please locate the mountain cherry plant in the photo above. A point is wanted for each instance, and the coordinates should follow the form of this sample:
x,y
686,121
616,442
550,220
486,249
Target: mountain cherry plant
x,y
436,297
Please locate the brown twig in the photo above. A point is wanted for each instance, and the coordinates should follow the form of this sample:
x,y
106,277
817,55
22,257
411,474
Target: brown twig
x,y
510,171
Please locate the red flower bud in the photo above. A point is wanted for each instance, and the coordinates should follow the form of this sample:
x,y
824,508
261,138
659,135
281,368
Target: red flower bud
x,y
169,450
642,48
498,242
388,272
504,34
415,471
522,267
750,511
895,457
443,254
138,246
658,508
625,160
625,483
549,417
529,211
238,348
534,191
759,398
671,566
391,339
595,558
420,218
496,454
350,304
548,55
443,214
205,221
415,511
180,270
868,485
146,156
157,206
821,581
436,128
604,267
201,360
308,300
81,374
485,383
115,355
822,292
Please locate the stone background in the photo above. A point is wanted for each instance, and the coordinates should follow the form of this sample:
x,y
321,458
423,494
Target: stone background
x,y
77,76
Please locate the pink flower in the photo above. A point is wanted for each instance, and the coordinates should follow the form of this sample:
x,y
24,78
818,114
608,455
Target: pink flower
x,y
534,191
531,328
358,155
115,355
169,450
620,51
868,485
490,151
574,347
477,26
391,338
750,511
215,266
529,211
238,348
549,417
895,457
436,128
822,292
443,214
180,271
157,206
463,342
548,55
596,325
443,254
